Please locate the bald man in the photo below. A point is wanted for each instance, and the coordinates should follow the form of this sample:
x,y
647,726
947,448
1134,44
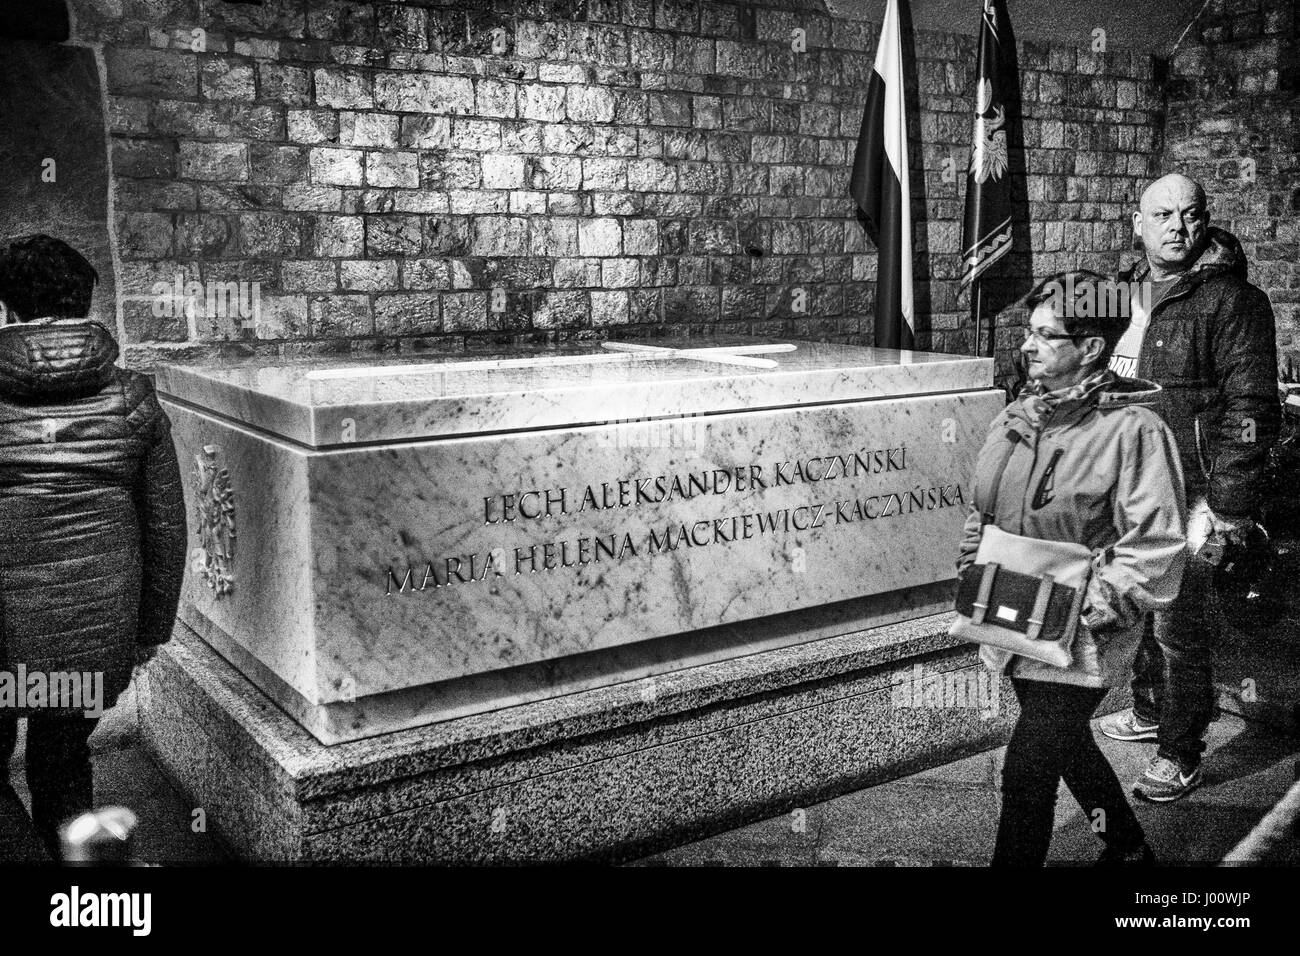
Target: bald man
x,y
1205,335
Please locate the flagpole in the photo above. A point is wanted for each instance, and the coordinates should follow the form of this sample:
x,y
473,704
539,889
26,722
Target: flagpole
x,y
977,316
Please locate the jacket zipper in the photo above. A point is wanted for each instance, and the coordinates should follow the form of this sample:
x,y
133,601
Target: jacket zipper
x,y
1033,466
1144,354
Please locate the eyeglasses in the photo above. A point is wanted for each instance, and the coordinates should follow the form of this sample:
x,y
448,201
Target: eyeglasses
x,y
1044,337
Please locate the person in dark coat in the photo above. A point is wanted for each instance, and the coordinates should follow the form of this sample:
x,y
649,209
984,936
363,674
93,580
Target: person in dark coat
x,y
1203,333
92,523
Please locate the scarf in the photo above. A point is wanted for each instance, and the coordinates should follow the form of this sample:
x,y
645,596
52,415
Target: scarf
x,y
1039,404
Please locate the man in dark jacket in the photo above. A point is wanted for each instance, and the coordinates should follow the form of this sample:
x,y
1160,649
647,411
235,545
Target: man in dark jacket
x,y
1204,334
92,524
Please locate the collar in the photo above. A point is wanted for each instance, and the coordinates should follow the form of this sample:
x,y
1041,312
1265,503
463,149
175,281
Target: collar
x,y
1038,405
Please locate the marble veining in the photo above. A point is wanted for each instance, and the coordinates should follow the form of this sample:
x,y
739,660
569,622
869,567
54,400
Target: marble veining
x,y
324,403
439,557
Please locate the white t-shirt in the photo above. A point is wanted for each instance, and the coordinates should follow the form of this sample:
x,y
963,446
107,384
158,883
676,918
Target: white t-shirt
x,y
1124,360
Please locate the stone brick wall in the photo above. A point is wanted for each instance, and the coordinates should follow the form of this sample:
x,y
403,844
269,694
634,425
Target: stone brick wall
x,y
459,175
1234,96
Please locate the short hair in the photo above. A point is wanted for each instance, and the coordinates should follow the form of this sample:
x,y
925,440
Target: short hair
x,y
1087,303
43,277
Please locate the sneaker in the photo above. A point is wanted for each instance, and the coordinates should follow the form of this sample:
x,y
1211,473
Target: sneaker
x,y
1127,725
1165,780
1142,856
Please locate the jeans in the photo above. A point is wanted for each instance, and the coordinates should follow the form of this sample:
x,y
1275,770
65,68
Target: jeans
x,y
1173,678
1053,741
58,769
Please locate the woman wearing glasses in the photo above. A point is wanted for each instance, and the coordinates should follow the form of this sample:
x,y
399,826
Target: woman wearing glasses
x,y
1087,463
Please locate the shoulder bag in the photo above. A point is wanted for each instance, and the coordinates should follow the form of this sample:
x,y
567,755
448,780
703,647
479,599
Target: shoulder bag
x,y
1024,595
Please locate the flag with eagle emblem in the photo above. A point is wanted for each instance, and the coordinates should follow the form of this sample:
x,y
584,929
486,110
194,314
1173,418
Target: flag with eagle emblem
x,y
879,184
986,232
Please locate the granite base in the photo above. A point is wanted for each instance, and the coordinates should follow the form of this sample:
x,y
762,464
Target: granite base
x,y
606,774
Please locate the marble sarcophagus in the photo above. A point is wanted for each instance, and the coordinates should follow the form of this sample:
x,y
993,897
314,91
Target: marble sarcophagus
x,y
381,543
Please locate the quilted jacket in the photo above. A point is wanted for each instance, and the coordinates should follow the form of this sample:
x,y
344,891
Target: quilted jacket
x,y
1210,346
92,519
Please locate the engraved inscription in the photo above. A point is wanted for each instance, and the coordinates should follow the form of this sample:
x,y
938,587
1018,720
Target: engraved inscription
x,y
580,550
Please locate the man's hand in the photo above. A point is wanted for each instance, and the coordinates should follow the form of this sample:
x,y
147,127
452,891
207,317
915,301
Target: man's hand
x,y
1237,530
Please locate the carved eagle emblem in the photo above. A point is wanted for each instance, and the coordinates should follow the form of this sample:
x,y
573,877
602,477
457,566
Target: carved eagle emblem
x,y
988,158
215,507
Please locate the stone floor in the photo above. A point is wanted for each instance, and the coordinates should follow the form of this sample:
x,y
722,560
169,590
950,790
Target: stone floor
x,y
946,815
943,816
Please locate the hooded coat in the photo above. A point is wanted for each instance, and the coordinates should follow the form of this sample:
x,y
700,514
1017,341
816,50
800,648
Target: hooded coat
x,y
1102,470
1210,345
92,519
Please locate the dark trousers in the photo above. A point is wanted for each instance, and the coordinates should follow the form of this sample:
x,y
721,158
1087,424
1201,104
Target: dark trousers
x,y
58,769
1053,741
1173,679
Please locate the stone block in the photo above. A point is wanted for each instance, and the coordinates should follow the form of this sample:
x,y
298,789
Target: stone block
x,y
424,93
338,236
344,88
226,162
407,314
368,129
426,132
336,167
310,127
401,28
641,237
143,158
609,308
477,135
599,237
464,312
541,102
588,104
392,170
368,275
161,74
560,310
223,79
341,315
281,317
393,235
527,202
277,235
305,197
206,236
604,174
652,175
308,275
277,164
503,171
619,273
478,201
499,236
494,98
143,235
290,85
425,274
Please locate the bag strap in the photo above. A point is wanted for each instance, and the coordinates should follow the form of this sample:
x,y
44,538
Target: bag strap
x,y
988,514
980,607
1039,613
